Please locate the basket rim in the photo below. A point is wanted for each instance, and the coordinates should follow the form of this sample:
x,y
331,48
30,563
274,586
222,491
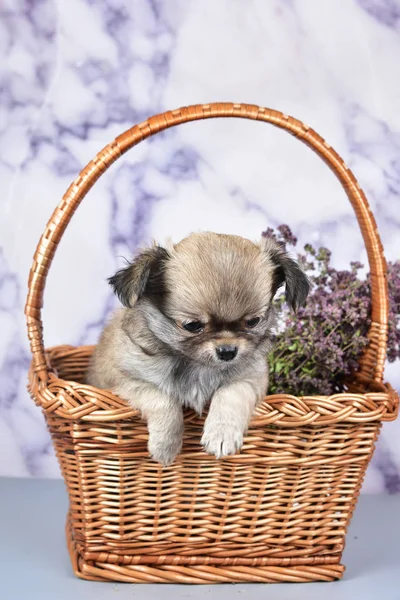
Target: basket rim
x,y
70,399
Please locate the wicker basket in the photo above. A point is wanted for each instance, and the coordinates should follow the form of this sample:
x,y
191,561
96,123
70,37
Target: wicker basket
x,y
279,510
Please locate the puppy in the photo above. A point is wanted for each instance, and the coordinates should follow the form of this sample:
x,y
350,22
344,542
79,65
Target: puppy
x,y
195,327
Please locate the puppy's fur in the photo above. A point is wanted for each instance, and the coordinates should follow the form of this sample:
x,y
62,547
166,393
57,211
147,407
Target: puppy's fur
x,y
224,284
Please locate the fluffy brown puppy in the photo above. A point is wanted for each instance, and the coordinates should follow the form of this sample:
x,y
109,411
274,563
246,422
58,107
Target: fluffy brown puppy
x,y
195,328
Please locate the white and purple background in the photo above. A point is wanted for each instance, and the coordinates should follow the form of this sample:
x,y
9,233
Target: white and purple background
x,y
76,73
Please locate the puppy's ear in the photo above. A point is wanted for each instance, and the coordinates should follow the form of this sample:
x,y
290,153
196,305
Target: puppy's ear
x,y
287,271
144,275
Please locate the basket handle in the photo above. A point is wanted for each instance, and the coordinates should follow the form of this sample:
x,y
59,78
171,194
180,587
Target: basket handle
x,y
372,362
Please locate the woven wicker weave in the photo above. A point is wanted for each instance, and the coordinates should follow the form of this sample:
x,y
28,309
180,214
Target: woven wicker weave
x,y
279,510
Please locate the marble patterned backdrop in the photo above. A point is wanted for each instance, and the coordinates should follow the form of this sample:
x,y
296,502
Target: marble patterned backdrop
x,y
75,73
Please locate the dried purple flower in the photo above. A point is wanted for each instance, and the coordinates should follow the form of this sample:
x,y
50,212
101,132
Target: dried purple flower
x,y
322,344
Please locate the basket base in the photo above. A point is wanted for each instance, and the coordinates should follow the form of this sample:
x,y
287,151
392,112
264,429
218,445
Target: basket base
x,y
196,574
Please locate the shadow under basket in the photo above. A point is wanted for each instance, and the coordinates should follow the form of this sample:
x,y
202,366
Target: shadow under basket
x,y
276,511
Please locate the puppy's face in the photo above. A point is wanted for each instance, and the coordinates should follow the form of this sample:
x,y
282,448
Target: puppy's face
x,y
209,297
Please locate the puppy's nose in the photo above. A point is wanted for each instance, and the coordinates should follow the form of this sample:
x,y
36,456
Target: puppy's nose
x,y
226,352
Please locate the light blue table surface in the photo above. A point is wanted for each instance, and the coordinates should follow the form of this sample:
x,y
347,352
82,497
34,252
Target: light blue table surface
x,y
34,564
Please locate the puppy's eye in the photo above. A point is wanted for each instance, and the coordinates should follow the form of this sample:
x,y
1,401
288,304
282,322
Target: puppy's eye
x,y
193,326
250,323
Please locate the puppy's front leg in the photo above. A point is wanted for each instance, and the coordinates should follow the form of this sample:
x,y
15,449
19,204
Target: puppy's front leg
x,y
231,409
164,418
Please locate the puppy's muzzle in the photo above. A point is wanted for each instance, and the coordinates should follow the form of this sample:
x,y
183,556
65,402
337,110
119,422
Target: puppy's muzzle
x,y
226,352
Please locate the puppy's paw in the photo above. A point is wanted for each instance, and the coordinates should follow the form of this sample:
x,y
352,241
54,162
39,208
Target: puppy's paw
x,y
164,451
221,440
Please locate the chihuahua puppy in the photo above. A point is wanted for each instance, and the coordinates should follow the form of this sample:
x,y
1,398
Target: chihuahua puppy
x,y
195,328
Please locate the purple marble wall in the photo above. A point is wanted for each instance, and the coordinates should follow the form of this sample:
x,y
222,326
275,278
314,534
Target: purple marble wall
x,y
75,74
